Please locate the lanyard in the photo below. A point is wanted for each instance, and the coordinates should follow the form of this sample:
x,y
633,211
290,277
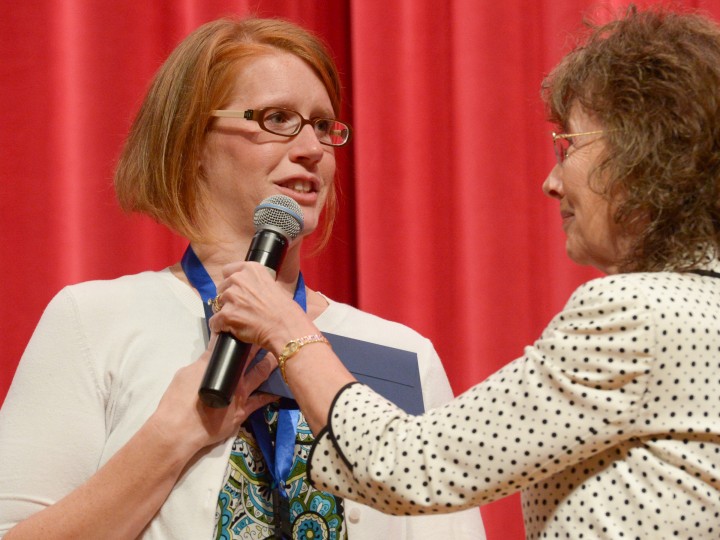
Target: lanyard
x,y
280,460
200,279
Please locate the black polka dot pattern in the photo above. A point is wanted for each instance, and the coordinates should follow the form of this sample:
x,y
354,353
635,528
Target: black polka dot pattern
x,y
609,424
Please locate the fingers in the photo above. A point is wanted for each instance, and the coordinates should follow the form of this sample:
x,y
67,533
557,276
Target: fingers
x,y
246,397
252,274
246,283
258,400
234,292
240,266
251,303
255,376
211,343
256,309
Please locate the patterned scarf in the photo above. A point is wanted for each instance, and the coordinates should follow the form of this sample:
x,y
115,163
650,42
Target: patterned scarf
x,y
245,509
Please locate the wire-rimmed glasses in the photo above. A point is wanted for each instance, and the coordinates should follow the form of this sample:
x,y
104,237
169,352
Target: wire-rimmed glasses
x,y
288,123
563,141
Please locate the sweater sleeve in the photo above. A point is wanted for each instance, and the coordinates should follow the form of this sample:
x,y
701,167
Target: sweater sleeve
x,y
576,391
52,423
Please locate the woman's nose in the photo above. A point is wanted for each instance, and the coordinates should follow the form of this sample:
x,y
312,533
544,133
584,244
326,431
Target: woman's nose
x,y
552,186
306,145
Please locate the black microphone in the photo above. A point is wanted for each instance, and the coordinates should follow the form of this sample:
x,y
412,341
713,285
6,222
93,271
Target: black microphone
x,y
278,221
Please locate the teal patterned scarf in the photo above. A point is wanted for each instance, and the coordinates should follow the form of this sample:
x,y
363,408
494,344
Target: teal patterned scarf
x,y
245,509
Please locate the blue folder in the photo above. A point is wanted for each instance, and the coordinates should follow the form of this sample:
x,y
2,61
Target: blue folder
x,y
392,373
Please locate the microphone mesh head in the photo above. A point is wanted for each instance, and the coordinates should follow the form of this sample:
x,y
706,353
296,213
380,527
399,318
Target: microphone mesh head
x,y
279,212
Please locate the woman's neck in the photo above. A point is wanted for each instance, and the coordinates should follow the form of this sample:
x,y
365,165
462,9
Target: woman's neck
x,y
214,257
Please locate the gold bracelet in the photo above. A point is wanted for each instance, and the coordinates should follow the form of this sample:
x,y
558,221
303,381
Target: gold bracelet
x,y
294,346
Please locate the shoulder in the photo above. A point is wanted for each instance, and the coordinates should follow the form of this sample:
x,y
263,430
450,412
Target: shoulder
x,y
133,283
132,289
110,301
646,290
643,305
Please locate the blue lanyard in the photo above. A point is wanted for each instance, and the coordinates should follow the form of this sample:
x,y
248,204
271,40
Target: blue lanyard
x,y
280,461
200,279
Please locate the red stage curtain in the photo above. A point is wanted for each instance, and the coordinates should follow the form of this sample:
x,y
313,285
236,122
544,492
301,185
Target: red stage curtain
x,y
442,223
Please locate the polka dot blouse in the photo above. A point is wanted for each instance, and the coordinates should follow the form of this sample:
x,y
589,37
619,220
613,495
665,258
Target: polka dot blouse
x,y
609,423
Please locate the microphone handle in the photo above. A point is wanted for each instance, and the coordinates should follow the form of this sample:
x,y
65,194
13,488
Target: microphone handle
x,y
228,358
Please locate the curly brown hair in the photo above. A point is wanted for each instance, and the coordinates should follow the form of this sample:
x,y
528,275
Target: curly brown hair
x,y
158,172
652,79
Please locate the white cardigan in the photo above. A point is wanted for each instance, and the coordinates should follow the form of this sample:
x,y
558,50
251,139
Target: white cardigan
x,y
99,361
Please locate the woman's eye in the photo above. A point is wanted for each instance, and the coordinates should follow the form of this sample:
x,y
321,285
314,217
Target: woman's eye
x,y
276,118
322,125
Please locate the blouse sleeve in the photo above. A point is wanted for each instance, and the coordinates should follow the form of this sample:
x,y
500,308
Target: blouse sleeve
x,y
577,390
52,424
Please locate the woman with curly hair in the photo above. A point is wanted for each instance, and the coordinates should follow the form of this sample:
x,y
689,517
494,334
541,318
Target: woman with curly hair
x,y
609,423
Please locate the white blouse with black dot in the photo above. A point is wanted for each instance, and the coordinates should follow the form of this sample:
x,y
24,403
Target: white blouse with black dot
x,y
609,423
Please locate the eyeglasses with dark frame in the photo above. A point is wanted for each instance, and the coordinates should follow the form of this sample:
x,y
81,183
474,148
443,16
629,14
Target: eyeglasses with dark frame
x,y
562,142
288,123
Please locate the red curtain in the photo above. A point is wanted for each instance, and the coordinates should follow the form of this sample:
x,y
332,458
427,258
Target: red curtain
x,y
442,223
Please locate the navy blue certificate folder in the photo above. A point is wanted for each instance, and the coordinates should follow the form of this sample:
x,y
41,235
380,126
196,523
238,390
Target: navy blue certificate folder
x,y
392,373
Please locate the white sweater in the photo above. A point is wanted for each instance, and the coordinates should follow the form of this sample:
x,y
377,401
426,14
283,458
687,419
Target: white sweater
x,y
100,359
